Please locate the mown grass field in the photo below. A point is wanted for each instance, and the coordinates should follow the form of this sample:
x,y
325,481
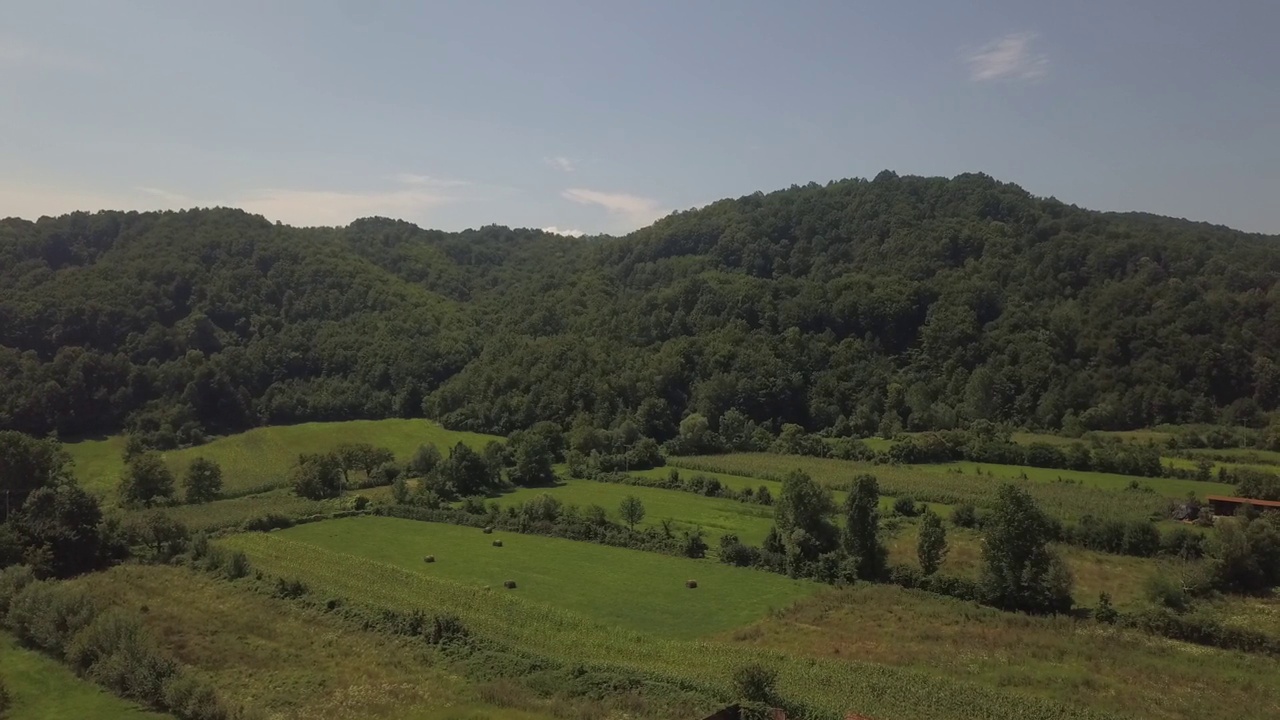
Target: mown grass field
x,y
625,588
832,687
288,662
260,459
716,516
935,485
41,688
1062,659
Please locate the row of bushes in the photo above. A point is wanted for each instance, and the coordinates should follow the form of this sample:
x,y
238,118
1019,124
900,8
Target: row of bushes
x,y
546,516
108,646
698,484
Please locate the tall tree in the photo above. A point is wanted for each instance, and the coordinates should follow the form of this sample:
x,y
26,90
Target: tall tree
x,y
802,516
931,547
464,473
317,477
862,528
1021,571
27,464
61,531
146,481
203,480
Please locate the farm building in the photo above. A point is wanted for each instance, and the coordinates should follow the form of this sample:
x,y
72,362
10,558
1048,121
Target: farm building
x,y
1224,505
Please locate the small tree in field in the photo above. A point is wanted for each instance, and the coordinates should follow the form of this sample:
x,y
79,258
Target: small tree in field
x,y
317,477
931,548
632,511
1021,571
203,481
146,480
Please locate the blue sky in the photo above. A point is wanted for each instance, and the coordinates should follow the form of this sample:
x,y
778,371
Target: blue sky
x,y
602,116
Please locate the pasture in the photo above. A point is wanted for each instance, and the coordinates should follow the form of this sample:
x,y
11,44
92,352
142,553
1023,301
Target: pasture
x,y
832,687
288,662
230,513
41,688
626,588
260,459
716,516
1081,663
930,483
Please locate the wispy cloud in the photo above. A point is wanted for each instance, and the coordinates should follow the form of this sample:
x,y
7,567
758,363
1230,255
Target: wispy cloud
x,y
1008,58
561,163
638,210
557,231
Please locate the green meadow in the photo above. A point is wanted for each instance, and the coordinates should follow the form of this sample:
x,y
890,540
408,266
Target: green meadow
x,y
832,687
260,459
625,588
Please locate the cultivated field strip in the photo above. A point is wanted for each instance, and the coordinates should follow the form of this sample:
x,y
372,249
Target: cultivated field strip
x,y
1064,500
831,687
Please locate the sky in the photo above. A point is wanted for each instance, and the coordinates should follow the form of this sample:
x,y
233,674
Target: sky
x,y
601,116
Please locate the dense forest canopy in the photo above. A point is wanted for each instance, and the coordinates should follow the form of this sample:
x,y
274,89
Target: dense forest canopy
x,y
865,306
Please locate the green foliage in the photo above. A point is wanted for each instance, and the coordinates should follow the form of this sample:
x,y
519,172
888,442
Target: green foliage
x,y
1246,554
756,683
61,531
931,547
465,473
27,464
147,481
802,516
160,537
317,476
364,457
861,537
1164,591
203,481
425,459
631,510
964,515
1020,571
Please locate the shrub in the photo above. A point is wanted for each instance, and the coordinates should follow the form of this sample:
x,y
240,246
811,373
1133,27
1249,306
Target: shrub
x,y
236,566
1105,612
12,581
190,697
756,683
268,522
47,615
905,506
965,516
1166,592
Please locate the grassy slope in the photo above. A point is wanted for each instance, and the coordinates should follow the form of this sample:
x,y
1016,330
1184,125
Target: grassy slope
x,y
630,589
43,689
233,512
1069,501
1074,662
261,458
287,662
833,687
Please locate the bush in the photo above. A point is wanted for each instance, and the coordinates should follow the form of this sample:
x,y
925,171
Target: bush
x,y
190,697
905,506
756,683
236,566
965,516
268,522
12,581
1166,592
47,615
1105,612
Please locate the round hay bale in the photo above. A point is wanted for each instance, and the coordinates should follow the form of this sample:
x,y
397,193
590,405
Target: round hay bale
x,y
691,584
497,543
488,530
429,559
509,584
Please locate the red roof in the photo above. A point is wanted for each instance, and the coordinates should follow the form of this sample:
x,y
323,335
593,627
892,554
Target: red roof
x,y
1242,501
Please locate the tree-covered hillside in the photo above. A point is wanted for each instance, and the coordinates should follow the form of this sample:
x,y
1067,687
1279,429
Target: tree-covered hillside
x,y
895,303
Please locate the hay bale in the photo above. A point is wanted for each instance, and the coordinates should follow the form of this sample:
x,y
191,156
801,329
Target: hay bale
x,y
691,584
488,530
429,559
509,584
497,543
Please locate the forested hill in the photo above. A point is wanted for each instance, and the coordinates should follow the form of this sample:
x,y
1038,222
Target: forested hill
x,y
899,302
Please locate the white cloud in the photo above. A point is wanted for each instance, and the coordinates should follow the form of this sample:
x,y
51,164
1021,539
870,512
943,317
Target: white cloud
x,y
638,210
1008,58
428,180
557,231
561,163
